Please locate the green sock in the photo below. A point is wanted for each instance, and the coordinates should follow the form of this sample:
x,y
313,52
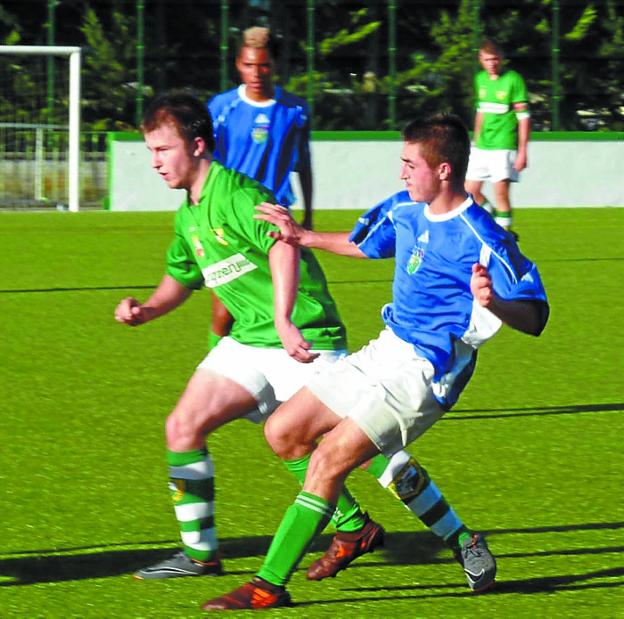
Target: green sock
x,y
191,476
302,522
348,516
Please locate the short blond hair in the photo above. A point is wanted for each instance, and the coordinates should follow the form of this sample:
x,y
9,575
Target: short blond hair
x,y
257,37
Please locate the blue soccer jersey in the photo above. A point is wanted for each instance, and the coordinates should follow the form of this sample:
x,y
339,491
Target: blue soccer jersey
x,y
266,141
432,305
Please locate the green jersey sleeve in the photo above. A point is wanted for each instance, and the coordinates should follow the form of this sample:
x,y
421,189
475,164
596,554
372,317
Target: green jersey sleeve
x,y
181,263
256,230
519,90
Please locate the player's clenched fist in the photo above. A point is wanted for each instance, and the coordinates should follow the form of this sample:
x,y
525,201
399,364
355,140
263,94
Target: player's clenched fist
x,y
481,285
130,312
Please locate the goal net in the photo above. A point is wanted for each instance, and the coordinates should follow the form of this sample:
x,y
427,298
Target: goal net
x,y
39,126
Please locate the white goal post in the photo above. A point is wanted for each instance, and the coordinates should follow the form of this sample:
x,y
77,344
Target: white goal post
x,y
73,157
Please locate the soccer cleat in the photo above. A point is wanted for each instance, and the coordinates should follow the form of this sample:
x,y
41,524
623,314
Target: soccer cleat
x,y
180,565
478,563
255,595
346,547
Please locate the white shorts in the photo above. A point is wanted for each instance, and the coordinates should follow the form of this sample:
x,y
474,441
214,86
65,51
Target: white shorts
x,y
385,388
271,375
491,165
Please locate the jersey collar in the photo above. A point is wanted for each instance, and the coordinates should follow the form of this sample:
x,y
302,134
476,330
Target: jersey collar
x,y
446,216
267,103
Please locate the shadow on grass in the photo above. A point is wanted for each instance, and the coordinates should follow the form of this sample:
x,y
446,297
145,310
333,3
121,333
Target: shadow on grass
x,y
532,411
548,584
401,548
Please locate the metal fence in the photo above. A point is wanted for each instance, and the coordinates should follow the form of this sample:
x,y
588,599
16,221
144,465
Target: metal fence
x,y
420,56
34,167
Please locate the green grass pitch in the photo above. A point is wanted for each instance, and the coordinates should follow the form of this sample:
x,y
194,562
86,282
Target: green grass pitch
x,y
532,454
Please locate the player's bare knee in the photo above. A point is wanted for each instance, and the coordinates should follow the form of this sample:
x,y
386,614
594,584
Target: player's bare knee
x,y
279,437
183,432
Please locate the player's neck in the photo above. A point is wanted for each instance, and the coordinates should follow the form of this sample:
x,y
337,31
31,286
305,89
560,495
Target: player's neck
x,y
447,201
197,185
260,97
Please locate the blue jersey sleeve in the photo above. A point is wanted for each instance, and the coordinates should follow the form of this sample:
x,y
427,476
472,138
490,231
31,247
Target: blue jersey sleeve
x,y
303,158
375,232
515,277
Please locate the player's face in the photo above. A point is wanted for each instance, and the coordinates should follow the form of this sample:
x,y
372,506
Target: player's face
x,y
490,62
172,156
256,72
421,181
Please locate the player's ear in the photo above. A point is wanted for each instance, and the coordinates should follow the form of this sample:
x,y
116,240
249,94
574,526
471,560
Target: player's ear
x,y
445,171
199,147
239,63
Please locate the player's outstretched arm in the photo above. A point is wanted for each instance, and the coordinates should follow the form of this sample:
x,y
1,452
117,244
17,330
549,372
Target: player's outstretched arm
x,y
168,295
292,233
527,316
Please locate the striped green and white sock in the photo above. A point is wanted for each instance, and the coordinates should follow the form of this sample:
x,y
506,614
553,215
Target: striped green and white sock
x,y
348,516
503,219
302,522
410,483
191,481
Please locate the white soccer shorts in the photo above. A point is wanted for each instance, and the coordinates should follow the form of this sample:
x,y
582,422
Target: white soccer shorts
x,y
271,375
492,165
385,388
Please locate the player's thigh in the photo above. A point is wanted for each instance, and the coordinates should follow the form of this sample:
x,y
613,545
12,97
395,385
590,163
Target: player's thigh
x,y
209,401
345,447
473,187
298,423
270,375
385,388
501,191
246,367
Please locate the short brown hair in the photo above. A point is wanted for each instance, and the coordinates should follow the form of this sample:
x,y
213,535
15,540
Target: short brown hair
x,y
443,138
489,46
185,112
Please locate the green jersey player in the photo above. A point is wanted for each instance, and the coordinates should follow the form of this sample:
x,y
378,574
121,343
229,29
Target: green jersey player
x,y
501,132
286,327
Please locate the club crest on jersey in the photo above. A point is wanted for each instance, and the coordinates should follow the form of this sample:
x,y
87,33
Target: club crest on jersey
x,y
260,130
413,264
219,235
418,253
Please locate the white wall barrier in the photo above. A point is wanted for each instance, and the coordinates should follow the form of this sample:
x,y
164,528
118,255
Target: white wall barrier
x,y
358,170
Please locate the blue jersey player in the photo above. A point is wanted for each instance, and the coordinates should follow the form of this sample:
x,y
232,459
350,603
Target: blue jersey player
x,y
263,132
459,276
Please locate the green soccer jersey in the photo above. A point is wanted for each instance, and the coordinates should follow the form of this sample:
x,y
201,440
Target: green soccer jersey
x,y
219,244
495,100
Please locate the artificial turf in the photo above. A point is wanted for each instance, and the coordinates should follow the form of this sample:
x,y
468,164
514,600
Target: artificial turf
x,y
531,454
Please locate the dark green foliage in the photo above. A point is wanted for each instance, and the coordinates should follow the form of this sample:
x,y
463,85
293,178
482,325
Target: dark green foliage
x,y
435,56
